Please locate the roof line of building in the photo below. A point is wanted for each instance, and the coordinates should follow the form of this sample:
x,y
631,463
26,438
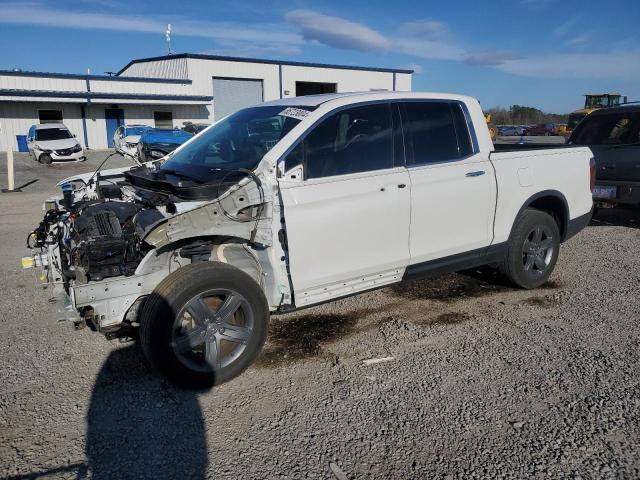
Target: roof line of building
x,y
200,56
9,92
79,76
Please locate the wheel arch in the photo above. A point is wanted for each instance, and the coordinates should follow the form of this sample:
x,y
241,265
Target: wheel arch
x,y
554,203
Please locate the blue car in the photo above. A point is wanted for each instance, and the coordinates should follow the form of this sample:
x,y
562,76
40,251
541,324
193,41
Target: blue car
x,y
155,143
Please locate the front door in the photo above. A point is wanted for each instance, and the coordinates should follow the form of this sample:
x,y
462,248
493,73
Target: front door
x,y
453,187
114,118
347,218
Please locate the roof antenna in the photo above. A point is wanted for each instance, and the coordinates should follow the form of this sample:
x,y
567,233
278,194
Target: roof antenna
x,y
168,37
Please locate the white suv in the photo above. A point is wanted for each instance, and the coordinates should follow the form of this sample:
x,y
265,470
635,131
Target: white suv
x,y
51,142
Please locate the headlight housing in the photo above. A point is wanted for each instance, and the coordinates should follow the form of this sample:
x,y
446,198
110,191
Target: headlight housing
x,y
77,148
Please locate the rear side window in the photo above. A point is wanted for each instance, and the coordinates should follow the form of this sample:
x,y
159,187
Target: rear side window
x,y
357,139
437,132
608,129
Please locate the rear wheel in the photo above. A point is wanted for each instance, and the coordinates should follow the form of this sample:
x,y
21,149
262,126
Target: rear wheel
x,y
204,324
533,249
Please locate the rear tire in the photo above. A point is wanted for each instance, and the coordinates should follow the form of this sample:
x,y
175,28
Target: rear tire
x,y
204,324
532,249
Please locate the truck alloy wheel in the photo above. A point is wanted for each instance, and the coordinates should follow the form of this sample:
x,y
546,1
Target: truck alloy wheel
x,y
532,249
212,330
204,324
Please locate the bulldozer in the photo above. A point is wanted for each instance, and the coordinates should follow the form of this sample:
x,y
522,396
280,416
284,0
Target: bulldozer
x,y
493,130
593,102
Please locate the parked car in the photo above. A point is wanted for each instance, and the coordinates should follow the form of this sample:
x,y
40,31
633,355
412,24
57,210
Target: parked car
x,y
546,129
194,128
155,143
126,138
613,135
200,249
507,130
53,142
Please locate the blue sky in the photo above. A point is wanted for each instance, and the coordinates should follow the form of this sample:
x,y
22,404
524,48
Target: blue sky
x,y
541,53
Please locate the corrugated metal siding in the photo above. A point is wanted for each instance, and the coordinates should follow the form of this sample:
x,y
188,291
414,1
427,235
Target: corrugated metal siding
x,y
230,95
170,68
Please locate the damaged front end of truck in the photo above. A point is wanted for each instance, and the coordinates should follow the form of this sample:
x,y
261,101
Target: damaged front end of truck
x,y
106,243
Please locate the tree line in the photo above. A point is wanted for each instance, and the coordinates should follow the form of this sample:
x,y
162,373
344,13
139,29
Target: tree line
x,y
521,115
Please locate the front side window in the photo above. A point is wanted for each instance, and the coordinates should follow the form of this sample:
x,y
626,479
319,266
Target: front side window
x,y
354,140
437,131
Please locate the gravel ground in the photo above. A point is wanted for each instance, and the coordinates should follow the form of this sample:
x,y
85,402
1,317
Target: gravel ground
x,y
485,380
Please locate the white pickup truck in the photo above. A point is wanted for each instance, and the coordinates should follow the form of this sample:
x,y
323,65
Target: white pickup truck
x,y
297,202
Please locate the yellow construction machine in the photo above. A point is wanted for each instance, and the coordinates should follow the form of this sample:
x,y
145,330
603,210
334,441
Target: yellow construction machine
x,y
593,102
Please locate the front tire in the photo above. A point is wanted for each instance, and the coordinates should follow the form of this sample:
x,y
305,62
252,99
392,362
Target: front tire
x,y
45,159
533,249
204,324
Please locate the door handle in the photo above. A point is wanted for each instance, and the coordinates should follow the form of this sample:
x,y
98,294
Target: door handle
x,y
402,185
475,174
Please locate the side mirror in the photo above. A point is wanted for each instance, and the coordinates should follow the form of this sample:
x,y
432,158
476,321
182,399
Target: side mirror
x,y
29,139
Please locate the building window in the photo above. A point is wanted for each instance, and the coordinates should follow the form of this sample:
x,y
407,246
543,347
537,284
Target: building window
x,y
315,88
50,116
163,119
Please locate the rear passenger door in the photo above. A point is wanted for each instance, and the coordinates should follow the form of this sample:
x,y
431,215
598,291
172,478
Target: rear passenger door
x,y
345,192
453,188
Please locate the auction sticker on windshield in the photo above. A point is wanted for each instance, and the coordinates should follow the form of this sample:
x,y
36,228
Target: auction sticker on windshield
x,y
297,113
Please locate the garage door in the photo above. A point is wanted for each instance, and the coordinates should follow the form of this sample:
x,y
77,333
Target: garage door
x,y
232,94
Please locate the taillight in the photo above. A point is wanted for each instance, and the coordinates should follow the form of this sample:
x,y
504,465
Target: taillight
x,y
592,174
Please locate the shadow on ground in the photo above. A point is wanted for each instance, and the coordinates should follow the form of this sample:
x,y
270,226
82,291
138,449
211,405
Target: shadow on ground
x,y
621,216
140,427
474,283
296,338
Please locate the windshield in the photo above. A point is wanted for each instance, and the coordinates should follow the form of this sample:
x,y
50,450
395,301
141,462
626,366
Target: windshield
x,y
239,141
45,134
133,131
611,129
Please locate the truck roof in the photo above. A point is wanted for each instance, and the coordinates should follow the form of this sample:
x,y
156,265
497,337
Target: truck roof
x,y
315,100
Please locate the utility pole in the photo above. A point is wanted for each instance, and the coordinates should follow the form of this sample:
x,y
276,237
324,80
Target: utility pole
x,y
168,37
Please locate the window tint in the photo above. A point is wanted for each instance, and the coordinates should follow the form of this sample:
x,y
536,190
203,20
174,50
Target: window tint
x,y
611,129
431,128
354,140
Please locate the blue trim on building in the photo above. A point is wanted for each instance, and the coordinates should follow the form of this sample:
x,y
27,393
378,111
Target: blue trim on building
x,y
96,95
198,56
280,79
74,76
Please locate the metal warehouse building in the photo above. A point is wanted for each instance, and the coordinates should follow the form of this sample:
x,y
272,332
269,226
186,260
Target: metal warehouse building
x,y
168,91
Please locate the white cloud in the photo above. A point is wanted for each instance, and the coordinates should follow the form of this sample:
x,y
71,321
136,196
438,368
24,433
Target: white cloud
x,y
337,32
429,29
618,65
565,27
39,14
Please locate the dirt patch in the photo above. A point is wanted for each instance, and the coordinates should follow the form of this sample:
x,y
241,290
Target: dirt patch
x,y
544,302
456,286
447,318
296,338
